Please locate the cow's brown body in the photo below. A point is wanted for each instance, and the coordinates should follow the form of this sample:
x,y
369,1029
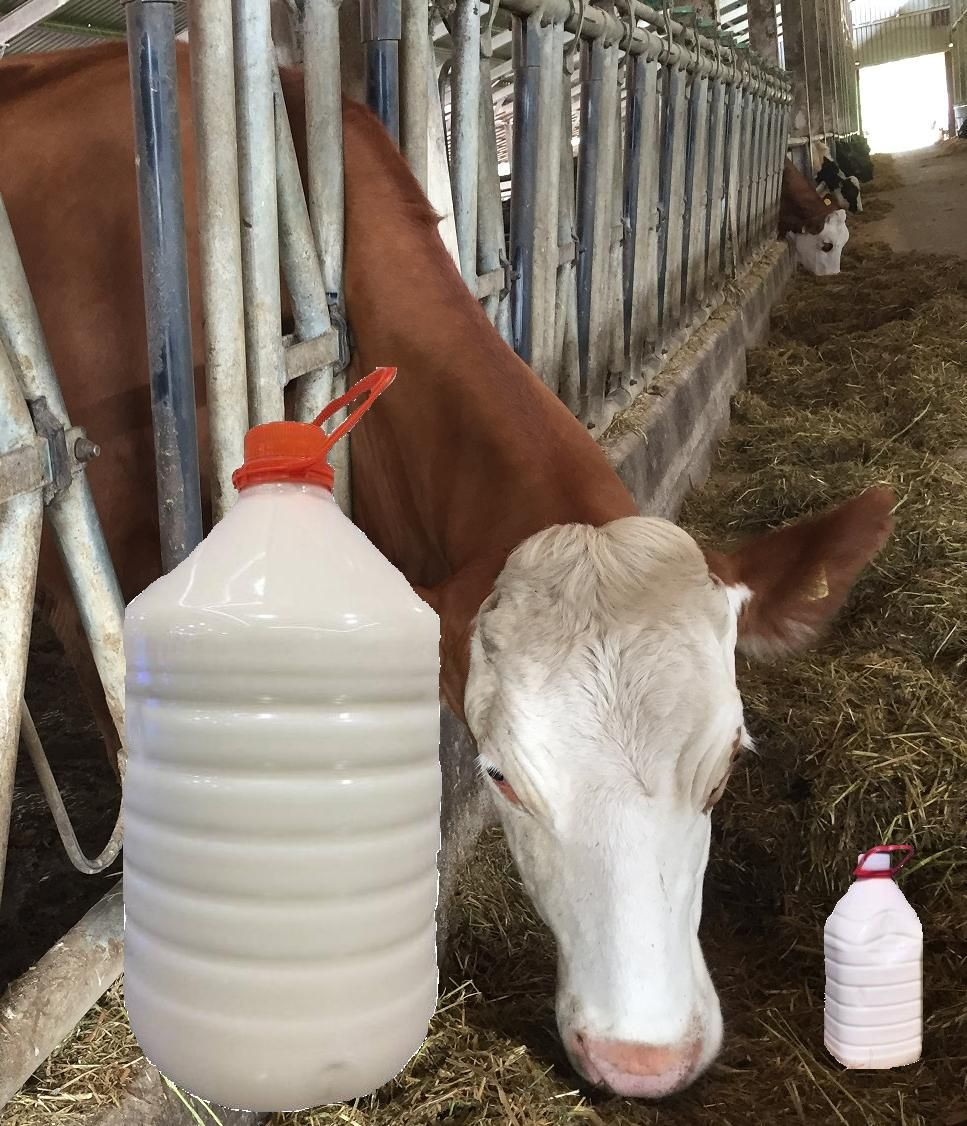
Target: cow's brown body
x,y
467,456
801,209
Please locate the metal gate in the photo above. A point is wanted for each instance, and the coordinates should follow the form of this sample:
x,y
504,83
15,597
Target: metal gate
x,y
646,157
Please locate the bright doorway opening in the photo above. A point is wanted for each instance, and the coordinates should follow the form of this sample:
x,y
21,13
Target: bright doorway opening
x,y
904,104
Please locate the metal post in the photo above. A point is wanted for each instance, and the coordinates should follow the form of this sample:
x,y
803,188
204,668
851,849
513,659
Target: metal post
x,y
527,58
730,193
465,125
213,90
154,90
547,201
324,177
71,511
21,521
565,358
716,186
696,178
300,261
643,319
491,254
672,198
254,62
382,29
415,57
591,78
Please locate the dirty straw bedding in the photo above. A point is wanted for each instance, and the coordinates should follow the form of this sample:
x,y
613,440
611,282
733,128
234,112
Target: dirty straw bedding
x,y
864,381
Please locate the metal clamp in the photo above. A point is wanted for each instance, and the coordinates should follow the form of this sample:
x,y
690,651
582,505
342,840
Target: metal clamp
x,y
341,325
66,450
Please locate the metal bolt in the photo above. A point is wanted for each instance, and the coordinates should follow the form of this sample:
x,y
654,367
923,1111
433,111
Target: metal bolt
x,y
86,450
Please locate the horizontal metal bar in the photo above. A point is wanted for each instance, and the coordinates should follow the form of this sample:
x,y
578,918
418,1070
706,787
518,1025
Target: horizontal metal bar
x,y
26,15
43,1006
304,356
490,284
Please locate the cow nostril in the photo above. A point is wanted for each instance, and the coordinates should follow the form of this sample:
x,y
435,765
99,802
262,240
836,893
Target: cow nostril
x,y
640,1070
827,247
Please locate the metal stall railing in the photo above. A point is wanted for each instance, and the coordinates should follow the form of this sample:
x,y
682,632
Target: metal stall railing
x,y
680,139
646,164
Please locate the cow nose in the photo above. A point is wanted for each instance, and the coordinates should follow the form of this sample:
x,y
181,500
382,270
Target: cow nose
x,y
638,1071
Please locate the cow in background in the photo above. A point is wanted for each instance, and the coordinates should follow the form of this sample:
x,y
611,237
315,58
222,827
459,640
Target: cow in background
x,y
853,158
816,229
845,190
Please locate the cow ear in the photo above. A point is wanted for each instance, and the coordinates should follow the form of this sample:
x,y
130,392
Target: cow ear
x,y
790,583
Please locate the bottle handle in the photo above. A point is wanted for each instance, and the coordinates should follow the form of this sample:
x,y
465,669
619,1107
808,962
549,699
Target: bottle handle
x,y
372,386
886,873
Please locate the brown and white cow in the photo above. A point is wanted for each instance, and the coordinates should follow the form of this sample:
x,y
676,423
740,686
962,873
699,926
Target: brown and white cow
x,y
816,229
591,650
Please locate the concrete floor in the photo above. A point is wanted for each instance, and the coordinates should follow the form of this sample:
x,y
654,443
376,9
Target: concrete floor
x,y
930,209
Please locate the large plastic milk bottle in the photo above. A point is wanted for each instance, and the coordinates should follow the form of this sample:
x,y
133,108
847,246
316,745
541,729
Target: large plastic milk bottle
x,y
874,976
282,796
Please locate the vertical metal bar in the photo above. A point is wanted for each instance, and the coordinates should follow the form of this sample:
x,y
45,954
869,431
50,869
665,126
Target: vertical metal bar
x,y
526,56
382,25
744,171
414,65
547,201
673,197
601,297
696,177
254,60
565,358
591,79
154,91
21,520
300,260
490,213
71,512
635,71
759,156
465,126
643,324
617,374
716,184
324,176
220,245
730,193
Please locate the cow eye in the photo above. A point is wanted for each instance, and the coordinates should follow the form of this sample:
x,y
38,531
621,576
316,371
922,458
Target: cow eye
x,y
827,247
504,788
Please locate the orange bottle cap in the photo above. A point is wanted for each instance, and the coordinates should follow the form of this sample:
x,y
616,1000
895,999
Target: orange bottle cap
x,y
299,451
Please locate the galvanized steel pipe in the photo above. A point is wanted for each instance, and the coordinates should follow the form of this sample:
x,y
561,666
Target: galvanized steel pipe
x,y
210,42
465,131
254,63
382,29
21,520
154,91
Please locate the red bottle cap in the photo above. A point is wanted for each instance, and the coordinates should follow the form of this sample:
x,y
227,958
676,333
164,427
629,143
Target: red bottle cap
x,y
299,451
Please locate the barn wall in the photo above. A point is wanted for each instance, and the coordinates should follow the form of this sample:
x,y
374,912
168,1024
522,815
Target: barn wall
x,y
817,44
882,34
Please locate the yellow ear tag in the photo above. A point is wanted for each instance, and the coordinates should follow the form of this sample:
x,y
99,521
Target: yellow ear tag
x,y
819,588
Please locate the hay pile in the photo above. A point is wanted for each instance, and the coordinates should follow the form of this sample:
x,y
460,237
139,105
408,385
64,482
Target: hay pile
x,y
875,204
862,740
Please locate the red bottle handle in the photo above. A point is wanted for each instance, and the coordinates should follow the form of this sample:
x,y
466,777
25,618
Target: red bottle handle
x,y
885,873
372,386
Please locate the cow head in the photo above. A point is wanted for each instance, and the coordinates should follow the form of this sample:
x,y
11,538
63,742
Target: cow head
x,y
821,253
602,695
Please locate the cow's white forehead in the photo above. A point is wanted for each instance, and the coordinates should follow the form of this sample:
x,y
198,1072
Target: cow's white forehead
x,y
612,647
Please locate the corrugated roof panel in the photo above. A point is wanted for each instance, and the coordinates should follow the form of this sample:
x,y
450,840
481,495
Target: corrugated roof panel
x,y
902,37
78,24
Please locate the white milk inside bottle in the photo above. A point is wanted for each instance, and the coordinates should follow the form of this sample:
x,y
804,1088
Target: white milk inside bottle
x,y
282,797
874,953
